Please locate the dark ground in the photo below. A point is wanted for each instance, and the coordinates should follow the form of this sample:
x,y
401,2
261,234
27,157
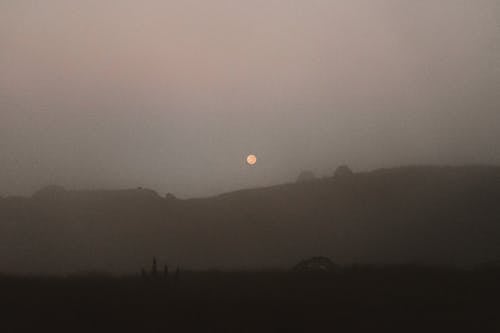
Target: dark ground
x,y
363,299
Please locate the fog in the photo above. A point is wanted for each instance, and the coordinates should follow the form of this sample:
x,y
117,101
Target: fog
x,y
172,95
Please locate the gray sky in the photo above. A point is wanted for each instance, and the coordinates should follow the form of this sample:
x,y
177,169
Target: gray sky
x,y
172,95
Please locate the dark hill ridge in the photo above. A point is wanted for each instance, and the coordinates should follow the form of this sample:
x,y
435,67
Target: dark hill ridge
x,y
433,215
53,192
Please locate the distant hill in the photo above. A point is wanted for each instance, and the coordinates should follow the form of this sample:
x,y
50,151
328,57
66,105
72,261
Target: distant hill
x,y
432,215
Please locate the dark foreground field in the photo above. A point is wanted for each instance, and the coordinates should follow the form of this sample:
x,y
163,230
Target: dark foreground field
x,y
398,298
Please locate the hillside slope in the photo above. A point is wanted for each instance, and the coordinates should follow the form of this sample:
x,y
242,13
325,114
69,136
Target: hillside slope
x,y
434,215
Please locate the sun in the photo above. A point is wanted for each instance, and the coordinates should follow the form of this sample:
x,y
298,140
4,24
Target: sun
x,y
251,159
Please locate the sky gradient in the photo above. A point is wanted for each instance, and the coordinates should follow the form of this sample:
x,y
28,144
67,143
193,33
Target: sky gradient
x,y
172,95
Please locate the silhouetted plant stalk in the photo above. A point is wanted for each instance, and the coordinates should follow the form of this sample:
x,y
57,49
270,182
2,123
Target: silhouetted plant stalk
x,y
154,274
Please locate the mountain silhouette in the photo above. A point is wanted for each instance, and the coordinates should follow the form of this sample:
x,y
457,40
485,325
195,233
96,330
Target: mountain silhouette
x,y
431,215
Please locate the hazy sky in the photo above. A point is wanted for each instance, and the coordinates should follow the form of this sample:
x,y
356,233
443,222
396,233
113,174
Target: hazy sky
x,y
172,95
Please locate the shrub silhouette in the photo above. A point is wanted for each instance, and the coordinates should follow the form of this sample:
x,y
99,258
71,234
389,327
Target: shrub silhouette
x,y
154,269
343,171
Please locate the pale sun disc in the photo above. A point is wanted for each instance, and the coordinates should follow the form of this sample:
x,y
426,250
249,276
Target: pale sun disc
x,y
251,159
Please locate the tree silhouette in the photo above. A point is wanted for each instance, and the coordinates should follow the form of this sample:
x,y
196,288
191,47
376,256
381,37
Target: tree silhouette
x,y
343,171
154,269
